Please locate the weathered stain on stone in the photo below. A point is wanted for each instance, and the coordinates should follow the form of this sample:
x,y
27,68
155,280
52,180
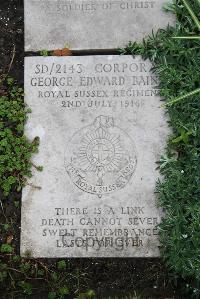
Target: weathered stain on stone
x,y
87,25
102,133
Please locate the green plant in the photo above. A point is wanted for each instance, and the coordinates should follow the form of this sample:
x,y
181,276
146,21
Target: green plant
x,y
89,294
26,287
130,296
188,37
6,248
44,53
62,265
15,149
177,63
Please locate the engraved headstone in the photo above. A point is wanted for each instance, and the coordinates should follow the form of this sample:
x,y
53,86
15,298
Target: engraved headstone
x,y
86,25
101,132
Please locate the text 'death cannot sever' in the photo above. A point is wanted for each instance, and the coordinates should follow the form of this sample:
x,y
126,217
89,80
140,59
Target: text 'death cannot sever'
x,y
101,130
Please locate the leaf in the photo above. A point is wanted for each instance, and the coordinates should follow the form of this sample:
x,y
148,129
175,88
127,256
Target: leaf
x,y
52,295
44,53
168,7
62,265
90,293
64,290
198,1
187,37
54,276
6,248
6,226
26,287
178,99
183,137
10,81
195,19
165,161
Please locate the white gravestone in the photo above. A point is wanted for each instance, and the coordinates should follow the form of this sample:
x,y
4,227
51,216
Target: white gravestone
x,y
91,25
101,132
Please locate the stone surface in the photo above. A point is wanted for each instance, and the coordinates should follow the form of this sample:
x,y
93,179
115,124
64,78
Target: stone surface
x,y
97,24
101,132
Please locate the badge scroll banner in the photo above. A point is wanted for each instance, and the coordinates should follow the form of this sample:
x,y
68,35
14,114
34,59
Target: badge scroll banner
x,y
101,130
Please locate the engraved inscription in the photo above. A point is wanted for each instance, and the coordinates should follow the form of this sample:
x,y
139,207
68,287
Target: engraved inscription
x,y
121,227
64,7
102,157
91,24
102,129
71,86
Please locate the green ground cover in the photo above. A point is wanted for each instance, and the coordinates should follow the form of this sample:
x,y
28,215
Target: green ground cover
x,y
177,62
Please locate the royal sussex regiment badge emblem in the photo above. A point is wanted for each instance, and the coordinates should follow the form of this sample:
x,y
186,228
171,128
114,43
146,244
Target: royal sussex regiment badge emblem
x,y
101,158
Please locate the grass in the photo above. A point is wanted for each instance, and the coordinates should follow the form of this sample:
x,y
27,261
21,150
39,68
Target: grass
x,y
176,61
15,149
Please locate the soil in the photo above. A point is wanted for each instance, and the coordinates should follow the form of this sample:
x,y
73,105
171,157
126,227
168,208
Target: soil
x,y
118,277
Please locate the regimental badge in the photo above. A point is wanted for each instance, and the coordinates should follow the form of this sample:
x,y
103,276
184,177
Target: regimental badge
x,y
101,158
